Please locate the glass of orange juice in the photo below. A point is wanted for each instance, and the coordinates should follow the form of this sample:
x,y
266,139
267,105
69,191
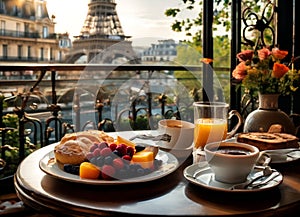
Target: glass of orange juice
x,y
211,123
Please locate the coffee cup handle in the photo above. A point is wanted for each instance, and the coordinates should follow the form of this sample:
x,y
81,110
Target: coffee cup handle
x,y
236,127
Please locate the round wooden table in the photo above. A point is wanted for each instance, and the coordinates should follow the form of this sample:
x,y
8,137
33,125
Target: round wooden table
x,y
171,195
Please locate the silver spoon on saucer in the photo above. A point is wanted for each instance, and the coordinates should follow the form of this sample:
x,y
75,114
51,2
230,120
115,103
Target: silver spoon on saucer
x,y
267,172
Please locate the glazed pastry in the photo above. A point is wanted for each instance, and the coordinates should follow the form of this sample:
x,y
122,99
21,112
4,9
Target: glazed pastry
x,y
72,151
95,136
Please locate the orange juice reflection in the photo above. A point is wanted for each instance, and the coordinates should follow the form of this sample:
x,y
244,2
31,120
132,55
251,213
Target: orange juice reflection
x,y
209,130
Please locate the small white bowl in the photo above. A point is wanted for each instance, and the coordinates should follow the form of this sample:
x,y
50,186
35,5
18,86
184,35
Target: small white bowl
x,y
231,166
181,133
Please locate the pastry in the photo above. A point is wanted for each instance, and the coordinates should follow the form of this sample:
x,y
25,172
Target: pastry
x,y
95,136
74,147
71,151
267,141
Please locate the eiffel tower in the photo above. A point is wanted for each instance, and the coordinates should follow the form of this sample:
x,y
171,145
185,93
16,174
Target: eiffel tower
x,y
102,39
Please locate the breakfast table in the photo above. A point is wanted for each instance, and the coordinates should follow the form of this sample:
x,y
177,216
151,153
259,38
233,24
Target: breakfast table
x,y
165,195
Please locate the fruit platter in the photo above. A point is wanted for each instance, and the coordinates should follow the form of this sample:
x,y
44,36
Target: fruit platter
x,y
105,160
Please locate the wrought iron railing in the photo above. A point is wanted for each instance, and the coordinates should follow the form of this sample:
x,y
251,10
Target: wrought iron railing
x,y
53,126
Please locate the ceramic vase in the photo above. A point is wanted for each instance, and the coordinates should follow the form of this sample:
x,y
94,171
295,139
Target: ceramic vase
x,y
268,114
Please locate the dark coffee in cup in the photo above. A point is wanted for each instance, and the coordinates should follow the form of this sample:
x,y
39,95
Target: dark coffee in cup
x,y
232,150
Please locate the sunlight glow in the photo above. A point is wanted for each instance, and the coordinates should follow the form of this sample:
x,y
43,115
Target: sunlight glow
x,y
139,18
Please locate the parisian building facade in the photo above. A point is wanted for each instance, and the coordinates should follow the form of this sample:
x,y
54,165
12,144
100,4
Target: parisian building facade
x,y
27,33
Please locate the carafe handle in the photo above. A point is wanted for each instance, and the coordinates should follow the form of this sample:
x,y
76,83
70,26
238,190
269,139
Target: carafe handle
x,y
236,127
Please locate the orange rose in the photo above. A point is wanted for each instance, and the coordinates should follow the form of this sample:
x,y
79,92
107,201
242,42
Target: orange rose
x,y
240,71
245,55
264,53
279,70
279,54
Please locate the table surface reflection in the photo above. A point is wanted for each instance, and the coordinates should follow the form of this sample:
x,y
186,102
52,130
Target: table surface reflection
x,y
171,195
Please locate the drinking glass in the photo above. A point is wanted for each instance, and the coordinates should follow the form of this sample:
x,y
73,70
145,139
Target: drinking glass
x,y
211,122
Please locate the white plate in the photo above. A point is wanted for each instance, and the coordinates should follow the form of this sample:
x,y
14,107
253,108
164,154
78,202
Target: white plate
x,y
169,164
206,179
180,153
279,156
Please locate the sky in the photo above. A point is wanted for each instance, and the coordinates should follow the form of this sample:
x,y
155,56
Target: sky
x,y
143,20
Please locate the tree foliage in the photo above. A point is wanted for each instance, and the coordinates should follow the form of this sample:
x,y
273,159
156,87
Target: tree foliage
x,y
192,24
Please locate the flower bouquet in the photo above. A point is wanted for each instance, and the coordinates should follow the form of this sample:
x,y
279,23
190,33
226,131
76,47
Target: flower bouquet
x,y
263,71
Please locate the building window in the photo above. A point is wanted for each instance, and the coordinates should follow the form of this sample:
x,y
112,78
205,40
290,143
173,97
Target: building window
x,y
51,54
29,52
26,29
2,7
18,29
42,54
2,27
39,11
45,32
60,56
5,51
20,48
64,43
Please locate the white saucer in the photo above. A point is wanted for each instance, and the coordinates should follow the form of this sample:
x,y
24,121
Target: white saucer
x,y
279,156
206,179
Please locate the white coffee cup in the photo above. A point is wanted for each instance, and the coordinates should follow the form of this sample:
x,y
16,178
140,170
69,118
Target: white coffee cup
x,y
181,133
231,162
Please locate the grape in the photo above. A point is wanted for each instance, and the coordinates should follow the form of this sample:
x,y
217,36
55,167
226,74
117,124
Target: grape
x,y
70,168
140,171
100,161
117,153
105,152
157,163
103,145
108,160
96,152
93,160
139,148
93,147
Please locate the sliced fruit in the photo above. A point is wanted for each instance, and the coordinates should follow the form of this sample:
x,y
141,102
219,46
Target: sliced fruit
x,y
144,158
88,170
122,140
153,149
